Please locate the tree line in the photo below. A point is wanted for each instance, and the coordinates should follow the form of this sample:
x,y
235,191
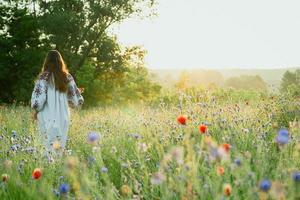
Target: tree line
x,y
79,29
289,84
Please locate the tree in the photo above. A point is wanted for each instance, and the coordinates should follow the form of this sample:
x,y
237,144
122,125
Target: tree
x,y
21,53
136,84
79,29
290,83
113,87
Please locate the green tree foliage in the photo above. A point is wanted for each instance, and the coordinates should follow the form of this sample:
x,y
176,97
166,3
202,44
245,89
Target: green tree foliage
x,y
135,84
111,87
247,83
21,53
79,29
290,83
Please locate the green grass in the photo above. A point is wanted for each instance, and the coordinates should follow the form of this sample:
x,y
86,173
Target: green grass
x,y
249,128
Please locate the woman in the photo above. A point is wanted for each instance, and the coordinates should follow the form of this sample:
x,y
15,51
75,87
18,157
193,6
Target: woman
x,y
54,90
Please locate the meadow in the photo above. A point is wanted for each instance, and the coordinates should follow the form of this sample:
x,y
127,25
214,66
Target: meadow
x,y
206,144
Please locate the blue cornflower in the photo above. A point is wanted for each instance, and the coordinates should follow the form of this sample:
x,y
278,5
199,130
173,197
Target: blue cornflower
x,y
64,188
282,137
14,147
237,162
14,134
265,185
296,176
136,136
93,137
104,170
91,160
56,192
30,149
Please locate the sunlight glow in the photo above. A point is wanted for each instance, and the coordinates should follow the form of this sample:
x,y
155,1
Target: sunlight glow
x,y
218,34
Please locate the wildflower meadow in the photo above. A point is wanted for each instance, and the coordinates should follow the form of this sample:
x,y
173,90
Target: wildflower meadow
x,y
208,144
149,100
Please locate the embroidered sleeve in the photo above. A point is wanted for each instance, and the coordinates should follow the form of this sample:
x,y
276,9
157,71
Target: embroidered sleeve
x,y
39,94
75,98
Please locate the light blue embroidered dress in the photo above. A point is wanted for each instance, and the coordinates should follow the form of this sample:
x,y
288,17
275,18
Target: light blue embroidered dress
x,y
53,109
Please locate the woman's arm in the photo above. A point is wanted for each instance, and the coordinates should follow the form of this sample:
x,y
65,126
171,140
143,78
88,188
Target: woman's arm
x,y
39,94
75,98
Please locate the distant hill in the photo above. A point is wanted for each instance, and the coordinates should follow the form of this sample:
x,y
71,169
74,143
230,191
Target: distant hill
x,y
272,77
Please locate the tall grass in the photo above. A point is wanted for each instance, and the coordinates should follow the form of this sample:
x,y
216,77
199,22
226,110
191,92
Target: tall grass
x,y
139,152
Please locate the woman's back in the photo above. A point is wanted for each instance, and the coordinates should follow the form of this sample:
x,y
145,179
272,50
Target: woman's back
x,y
52,106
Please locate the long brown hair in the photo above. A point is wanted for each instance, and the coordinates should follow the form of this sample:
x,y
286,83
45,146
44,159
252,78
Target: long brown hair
x,y
55,65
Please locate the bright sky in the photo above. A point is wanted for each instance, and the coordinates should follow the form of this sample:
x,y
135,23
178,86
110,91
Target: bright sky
x,y
218,34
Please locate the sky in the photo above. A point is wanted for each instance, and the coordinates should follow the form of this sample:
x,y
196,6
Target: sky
x,y
218,34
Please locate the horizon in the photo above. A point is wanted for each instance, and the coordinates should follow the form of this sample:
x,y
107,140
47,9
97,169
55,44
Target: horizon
x,y
217,34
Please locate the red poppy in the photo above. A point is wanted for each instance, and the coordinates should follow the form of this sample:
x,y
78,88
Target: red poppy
x,y
4,177
37,173
181,119
220,171
226,147
227,189
202,128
